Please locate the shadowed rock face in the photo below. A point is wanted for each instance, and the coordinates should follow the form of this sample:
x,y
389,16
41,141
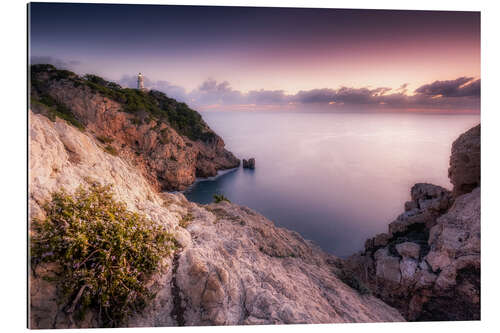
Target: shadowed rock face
x,y
233,266
465,162
428,264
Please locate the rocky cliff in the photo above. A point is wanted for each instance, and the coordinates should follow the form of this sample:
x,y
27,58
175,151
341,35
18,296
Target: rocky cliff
x,y
428,264
167,141
232,265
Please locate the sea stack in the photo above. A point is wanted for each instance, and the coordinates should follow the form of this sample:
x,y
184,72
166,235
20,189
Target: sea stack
x,y
249,164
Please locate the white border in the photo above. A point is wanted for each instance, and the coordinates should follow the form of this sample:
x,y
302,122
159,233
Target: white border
x,y
13,165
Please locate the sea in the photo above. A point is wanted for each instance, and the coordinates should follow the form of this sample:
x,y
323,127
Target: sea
x,y
335,178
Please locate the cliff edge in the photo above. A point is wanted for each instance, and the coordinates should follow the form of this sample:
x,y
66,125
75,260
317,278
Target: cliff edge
x,y
428,264
232,265
166,140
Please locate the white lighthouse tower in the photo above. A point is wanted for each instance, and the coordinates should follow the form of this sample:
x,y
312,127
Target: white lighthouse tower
x,y
140,82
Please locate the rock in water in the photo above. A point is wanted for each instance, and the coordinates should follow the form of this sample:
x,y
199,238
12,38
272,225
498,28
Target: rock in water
x,y
233,266
170,153
249,164
465,162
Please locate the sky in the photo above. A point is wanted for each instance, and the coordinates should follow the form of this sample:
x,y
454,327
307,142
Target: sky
x,y
247,58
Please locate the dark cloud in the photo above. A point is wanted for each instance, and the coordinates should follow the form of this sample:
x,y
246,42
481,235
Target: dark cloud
x,y
267,97
460,94
461,87
356,96
211,92
59,63
314,96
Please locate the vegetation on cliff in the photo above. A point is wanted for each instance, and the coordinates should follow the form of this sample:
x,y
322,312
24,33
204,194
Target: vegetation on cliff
x,y
106,253
156,104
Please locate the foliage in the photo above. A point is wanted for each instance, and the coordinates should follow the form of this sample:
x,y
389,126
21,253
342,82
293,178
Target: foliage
x,y
111,150
186,219
105,251
41,97
104,139
183,119
54,109
219,198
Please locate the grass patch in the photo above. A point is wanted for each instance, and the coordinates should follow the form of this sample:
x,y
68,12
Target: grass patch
x,y
220,197
186,220
104,139
53,109
111,150
106,252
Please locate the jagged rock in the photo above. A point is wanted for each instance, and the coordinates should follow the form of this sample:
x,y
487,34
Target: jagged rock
x,y
387,266
438,239
249,164
428,202
465,162
233,266
408,268
455,241
167,159
377,242
409,250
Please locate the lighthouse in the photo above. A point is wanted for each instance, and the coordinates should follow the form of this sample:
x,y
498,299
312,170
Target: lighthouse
x,y
140,82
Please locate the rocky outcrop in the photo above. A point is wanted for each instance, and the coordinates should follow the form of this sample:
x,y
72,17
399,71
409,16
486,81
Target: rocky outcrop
x,y
465,162
428,264
249,164
168,159
233,266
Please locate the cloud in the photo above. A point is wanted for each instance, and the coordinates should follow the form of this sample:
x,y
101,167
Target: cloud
x,y
59,63
267,97
460,87
314,96
211,92
460,94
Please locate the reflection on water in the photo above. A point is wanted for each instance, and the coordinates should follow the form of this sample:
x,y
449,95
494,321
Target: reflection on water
x,y
337,179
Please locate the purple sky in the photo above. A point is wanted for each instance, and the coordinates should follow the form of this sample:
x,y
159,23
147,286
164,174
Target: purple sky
x,y
241,58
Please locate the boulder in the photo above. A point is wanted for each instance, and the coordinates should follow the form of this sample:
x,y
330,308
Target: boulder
x,y
232,265
249,164
387,266
465,162
408,250
438,238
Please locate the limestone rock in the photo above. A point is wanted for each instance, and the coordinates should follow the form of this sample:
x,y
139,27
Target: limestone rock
x,y
387,266
465,162
409,250
428,202
249,164
438,240
233,265
167,159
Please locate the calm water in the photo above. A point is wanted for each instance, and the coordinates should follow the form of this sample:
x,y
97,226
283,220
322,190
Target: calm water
x,y
337,179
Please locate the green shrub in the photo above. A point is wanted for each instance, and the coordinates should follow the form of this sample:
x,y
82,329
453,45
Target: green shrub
x,y
106,252
156,104
219,198
111,150
104,139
